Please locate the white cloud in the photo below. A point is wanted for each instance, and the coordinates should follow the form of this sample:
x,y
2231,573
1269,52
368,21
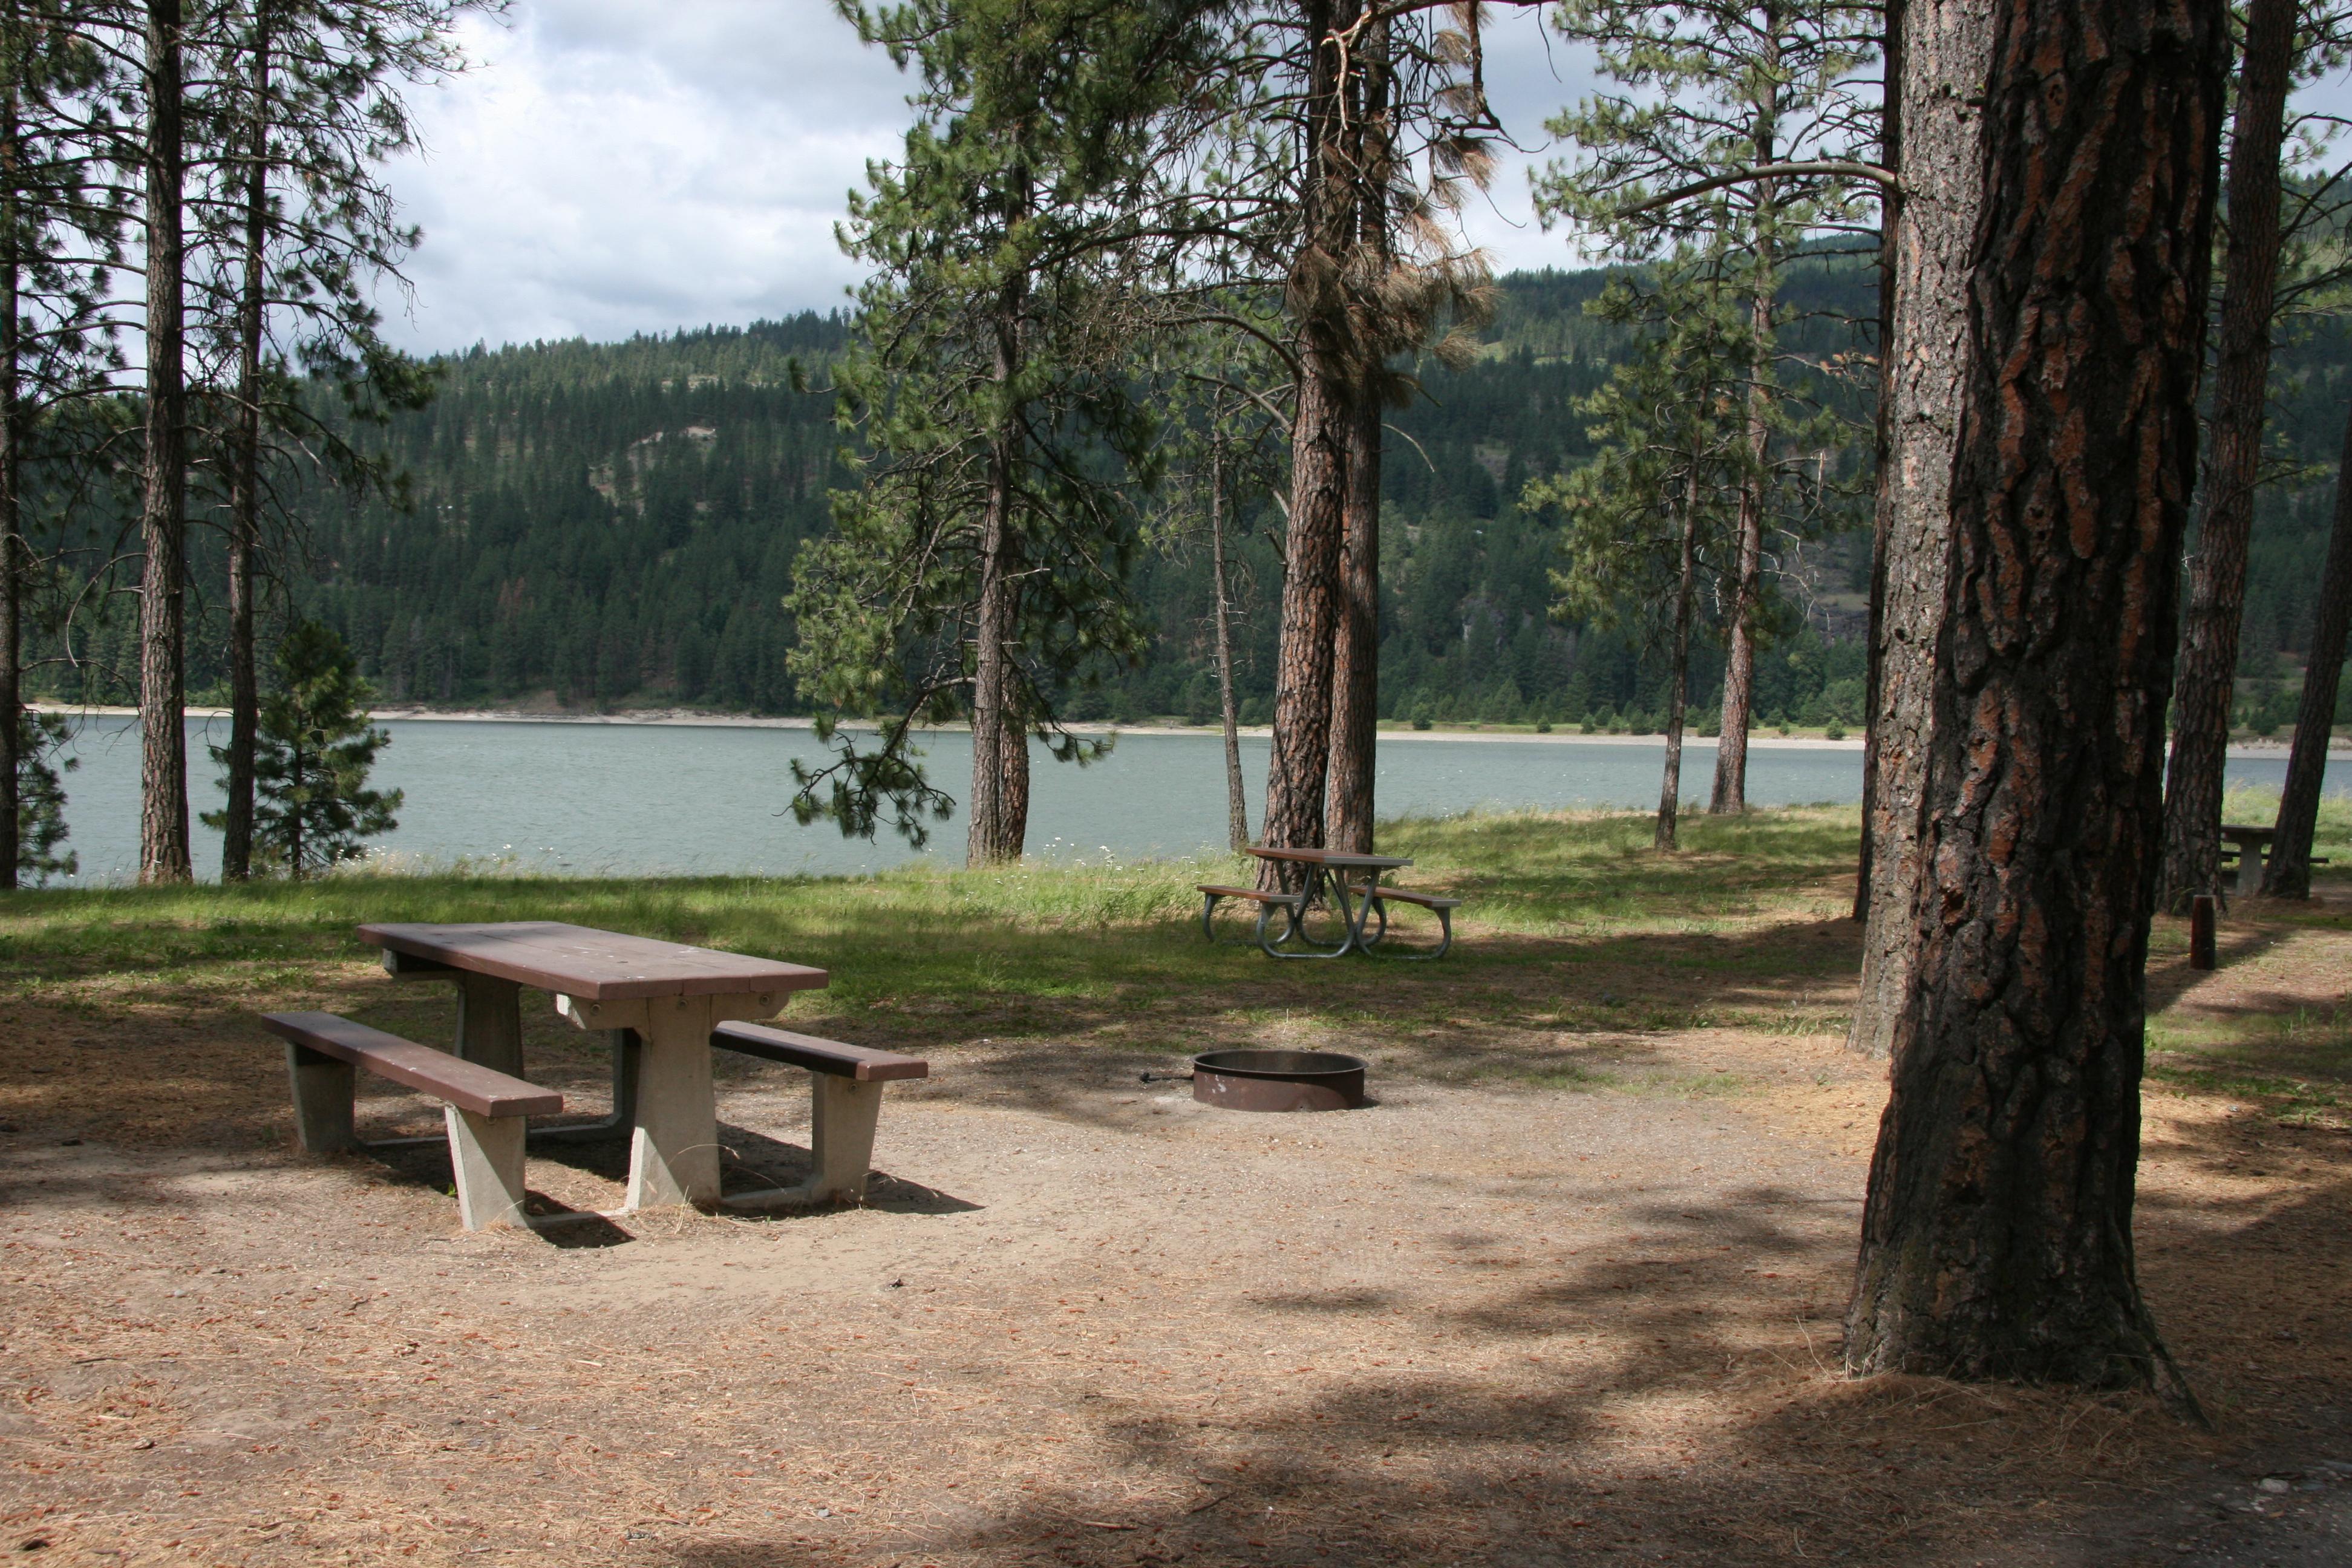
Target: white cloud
x,y
616,166
613,166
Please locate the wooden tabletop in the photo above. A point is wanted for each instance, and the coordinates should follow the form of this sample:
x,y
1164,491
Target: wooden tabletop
x,y
2248,831
1327,857
595,965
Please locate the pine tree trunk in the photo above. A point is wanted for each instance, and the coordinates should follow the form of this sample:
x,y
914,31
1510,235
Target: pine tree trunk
x,y
995,834
1319,446
162,528
1947,57
1670,789
1237,831
2242,365
1890,206
986,840
245,486
1356,650
1730,794
1997,1230
12,542
1351,775
296,804
2287,873
1013,768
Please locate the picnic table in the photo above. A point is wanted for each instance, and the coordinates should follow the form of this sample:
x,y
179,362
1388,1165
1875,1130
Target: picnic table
x,y
1327,874
2251,843
659,1002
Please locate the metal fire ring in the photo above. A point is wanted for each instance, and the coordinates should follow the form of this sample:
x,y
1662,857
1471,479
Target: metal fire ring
x,y
1279,1080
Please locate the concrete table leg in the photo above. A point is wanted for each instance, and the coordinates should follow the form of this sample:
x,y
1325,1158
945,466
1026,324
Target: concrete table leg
x,y
841,1137
2250,870
490,1022
486,1155
323,1088
626,1065
674,1147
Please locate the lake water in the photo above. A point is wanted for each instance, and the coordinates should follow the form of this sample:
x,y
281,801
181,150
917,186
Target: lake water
x,y
645,799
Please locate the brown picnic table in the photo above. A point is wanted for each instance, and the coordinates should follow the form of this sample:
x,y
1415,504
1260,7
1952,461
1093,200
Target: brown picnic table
x,y
1327,878
658,1001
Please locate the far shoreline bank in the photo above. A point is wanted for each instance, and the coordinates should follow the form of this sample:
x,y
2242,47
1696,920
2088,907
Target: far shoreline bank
x,y
691,718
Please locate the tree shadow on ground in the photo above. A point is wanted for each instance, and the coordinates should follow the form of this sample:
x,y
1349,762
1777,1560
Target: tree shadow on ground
x,y
1711,1428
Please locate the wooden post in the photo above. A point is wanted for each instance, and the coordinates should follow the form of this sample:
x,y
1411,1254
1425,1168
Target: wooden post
x,y
2200,931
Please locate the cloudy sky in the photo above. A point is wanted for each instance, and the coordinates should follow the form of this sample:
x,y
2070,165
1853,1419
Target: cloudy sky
x,y
615,166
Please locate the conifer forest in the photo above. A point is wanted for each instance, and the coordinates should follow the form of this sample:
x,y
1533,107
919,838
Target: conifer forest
x,y
606,527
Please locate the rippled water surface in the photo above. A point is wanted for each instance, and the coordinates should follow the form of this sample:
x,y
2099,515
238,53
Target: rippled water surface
x,y
645,799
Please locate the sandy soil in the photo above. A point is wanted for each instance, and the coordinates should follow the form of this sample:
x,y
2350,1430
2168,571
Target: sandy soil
x,y
1553,1299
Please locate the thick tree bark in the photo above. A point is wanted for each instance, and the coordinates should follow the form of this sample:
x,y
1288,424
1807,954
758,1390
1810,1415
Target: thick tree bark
x,y
1356,652
162,527
2241,367
1237,831
1319,446
2287,873
245,484
1670,788
1349,776
1997,1232
1890,203
1946,57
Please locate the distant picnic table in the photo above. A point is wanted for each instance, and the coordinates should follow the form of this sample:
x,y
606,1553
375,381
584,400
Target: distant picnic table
x,y
2251,843
1362,907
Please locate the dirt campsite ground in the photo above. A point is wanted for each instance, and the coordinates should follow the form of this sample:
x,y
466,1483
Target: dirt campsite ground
x,y
1570,1291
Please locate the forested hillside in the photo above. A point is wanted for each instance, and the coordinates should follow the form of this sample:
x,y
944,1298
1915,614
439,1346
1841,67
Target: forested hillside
x,y
613,526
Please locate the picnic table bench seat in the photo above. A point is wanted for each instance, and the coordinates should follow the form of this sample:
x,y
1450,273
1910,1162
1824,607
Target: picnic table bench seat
x,y
1438,904
484,1110
845,1093
1267,903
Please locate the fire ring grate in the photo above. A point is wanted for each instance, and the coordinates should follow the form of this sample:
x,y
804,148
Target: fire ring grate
x,y
1279,1080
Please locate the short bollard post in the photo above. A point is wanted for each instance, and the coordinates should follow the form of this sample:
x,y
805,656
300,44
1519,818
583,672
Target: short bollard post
x,y
2200,931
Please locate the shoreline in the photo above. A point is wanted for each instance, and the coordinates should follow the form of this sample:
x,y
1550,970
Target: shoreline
x,y
689,719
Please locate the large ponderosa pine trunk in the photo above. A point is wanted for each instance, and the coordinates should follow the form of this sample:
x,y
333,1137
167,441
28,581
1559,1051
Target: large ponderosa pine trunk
x,y
2242,366
1947,54
1355,656
2287,873
1321,448
162,528
1997,1232
245,482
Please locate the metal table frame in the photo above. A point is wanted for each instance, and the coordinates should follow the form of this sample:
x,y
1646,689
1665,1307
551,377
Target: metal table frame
x,y
1326,879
